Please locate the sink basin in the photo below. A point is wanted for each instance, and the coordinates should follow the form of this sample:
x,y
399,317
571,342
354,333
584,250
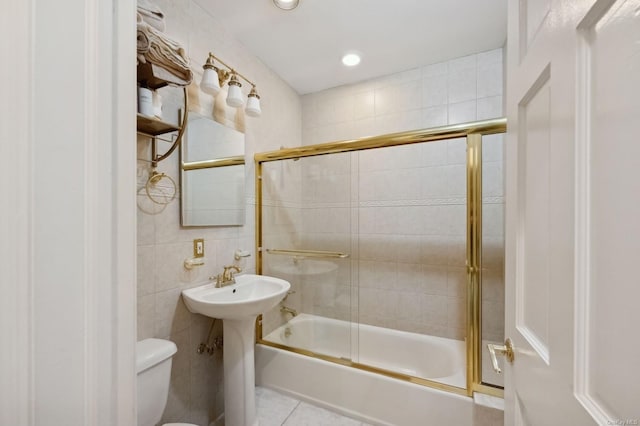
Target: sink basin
x,y
250,296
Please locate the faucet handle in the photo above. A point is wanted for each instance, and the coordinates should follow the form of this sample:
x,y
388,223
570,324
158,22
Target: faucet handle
x,y
230,267
217,280
227,274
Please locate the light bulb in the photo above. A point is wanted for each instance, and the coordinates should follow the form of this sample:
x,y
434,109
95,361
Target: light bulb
x,y
351,59
234,97
286,4
253,104
209,83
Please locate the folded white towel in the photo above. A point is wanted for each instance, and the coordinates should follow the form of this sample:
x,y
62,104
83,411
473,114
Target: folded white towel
x,y
151,14
156,48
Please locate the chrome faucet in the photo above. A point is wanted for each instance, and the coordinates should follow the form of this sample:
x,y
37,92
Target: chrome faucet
x,y
227,276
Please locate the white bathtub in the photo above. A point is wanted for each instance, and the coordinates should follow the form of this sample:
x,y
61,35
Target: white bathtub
x,y
369,396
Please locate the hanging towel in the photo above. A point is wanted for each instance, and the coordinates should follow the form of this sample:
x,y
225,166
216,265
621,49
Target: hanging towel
x,y
156,48
151,14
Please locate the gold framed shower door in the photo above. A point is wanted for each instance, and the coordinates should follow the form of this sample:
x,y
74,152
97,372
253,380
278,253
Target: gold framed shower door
x,y
473,131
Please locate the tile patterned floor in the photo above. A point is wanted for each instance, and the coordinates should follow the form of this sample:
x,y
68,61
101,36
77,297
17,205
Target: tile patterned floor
x,y
276,409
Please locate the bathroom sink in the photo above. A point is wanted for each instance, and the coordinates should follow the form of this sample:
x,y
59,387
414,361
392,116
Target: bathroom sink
x,y
238,305
250,296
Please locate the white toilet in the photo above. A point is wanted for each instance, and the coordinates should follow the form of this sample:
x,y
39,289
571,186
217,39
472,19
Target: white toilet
x,y
153,365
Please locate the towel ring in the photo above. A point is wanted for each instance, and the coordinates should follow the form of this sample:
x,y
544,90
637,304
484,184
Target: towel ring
x,y
153,181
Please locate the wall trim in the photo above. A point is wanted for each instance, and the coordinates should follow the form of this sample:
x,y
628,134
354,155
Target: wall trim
x,y
16,141
123,204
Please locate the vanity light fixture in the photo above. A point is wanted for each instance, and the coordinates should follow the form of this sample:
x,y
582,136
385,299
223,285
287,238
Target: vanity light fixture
x,y
286,4
214,77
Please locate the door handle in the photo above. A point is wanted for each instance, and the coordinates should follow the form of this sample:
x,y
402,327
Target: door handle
x,y
506,350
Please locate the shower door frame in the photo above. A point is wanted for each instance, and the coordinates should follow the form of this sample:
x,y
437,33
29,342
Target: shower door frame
x,y
473,132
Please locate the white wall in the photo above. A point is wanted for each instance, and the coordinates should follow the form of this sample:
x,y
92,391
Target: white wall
x,y
196,386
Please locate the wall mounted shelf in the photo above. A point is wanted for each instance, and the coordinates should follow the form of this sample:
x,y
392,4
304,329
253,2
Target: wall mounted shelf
x,y
149,126
155,77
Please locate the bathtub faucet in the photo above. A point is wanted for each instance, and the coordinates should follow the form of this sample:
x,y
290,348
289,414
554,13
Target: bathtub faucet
x,y
226,277
287,310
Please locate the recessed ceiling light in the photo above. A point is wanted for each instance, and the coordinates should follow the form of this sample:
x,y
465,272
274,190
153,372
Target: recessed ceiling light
x,y
351,59
286,4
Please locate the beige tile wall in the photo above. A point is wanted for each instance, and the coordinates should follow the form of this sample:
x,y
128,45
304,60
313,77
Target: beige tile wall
x,y
196,384
407,238
412,238
463,89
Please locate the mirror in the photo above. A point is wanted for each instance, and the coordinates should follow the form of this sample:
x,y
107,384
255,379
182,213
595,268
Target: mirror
x,y
212,174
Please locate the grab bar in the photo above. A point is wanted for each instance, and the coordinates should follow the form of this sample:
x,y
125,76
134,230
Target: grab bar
x,y
210,164
308,253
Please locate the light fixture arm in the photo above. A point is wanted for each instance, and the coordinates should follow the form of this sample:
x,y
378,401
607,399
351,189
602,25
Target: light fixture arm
x,y
223,75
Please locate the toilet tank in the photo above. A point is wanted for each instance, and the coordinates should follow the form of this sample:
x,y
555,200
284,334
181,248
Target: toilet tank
x,y
153,365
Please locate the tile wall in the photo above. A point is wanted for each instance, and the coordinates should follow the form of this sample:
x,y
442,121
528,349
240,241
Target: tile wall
x,y
196,384
408,236
412,226
463,89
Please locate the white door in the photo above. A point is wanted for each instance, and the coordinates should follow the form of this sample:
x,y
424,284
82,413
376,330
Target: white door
x,y
573,212
67,214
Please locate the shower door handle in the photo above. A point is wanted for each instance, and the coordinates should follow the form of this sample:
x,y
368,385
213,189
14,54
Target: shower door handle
x,y
506,350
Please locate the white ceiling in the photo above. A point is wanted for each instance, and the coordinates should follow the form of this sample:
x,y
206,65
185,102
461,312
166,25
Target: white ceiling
x,y
305,46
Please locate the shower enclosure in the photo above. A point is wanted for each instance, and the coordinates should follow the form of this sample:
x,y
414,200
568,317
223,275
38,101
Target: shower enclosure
x,y
394,267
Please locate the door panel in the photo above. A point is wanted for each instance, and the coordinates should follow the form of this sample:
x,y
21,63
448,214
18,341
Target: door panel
x,y
534,13
532,316
572,209
608,245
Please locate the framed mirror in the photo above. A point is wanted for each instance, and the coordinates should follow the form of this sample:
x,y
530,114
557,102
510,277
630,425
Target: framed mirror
x,y
212,174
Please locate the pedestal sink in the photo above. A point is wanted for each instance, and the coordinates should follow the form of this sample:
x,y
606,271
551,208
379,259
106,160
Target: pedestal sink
x,y
238,305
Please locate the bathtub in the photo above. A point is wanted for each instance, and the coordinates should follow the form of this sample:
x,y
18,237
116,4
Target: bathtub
x,y
366,395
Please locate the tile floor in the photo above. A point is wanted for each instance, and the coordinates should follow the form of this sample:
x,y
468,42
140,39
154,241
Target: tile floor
x,y
276,409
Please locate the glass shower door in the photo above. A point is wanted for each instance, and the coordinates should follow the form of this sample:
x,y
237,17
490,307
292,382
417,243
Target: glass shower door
x,y
412,281
394,254
492,255
306,239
